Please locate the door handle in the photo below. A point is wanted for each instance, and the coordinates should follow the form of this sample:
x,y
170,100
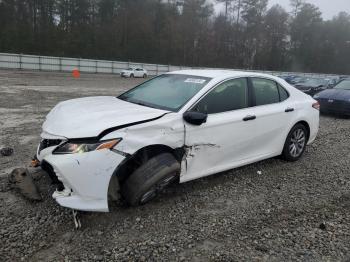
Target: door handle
x,y
289,109
247,118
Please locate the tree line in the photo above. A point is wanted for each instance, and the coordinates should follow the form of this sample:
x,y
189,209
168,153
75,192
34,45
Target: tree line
x,y
246,34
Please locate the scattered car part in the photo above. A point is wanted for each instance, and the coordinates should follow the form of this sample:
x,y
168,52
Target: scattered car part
x,y
34,162
76,219
22,180
6,151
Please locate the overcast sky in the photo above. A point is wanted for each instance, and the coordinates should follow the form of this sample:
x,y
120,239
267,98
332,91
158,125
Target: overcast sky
x,y
329,8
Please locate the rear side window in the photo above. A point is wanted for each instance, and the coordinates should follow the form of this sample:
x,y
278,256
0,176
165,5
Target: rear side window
x,y
266,91
228,96
283,93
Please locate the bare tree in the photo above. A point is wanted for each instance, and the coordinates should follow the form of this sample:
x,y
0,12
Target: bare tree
x,y
296,6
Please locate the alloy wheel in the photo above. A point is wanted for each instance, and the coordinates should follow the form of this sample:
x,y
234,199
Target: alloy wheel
x,y
297,142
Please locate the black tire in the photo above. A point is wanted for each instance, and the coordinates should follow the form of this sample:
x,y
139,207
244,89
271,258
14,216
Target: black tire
x,y
288,145
150,178
144,76
132,76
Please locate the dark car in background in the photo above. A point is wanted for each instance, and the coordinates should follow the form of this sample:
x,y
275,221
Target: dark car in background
x,y
288,78
299,80
335,100
313,86
333,81
293,79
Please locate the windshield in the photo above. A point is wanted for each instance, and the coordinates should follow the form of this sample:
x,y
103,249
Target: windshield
x,y
343,85
169,91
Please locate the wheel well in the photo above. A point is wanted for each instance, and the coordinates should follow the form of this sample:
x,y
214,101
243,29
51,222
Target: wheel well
x,y
304,123
131,163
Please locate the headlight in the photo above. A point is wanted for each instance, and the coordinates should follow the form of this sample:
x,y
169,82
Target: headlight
x,y
83,147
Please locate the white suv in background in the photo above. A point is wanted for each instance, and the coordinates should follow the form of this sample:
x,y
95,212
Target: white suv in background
x,y
134,72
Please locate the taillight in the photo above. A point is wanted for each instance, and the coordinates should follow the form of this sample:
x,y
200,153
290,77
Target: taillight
x,y
316,105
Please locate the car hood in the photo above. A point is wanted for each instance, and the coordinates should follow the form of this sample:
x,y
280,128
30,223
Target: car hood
x,y
338,94
90,116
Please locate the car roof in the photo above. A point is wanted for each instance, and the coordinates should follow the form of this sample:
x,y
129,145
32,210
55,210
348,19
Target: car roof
x,y
218,73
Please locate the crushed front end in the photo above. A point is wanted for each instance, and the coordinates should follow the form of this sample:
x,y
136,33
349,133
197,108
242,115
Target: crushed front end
x,y
82,177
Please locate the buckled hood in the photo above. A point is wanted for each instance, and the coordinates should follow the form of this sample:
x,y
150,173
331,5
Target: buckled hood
x,y
90,116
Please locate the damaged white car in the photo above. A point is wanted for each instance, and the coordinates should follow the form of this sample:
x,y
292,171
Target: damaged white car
x,y
175,127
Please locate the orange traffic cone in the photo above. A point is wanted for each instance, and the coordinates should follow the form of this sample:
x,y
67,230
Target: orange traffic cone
x,y
75,73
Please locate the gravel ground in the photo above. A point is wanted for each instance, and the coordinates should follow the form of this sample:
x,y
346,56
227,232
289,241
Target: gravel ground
x,y
288,211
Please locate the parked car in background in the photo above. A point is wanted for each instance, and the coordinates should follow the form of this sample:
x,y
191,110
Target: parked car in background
x,y
335,100
312,86
178,126
298,80
332,81
134,72
343,77
293,79
287,78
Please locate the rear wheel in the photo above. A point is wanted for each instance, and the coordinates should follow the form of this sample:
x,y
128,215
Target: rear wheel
x,y
150,178
295,144
144,76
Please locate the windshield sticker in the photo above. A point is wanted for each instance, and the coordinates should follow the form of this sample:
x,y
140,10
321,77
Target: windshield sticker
x,y
195,80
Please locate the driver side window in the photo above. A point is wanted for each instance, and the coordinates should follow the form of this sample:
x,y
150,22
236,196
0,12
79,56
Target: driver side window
x,y
228,96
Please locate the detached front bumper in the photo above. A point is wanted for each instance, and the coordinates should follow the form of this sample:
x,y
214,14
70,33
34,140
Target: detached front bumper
x,y
85,176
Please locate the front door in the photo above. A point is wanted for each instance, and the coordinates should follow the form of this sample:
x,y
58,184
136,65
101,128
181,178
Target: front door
x,y
226,139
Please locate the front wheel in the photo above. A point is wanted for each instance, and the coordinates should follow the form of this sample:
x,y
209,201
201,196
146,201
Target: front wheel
x,y
132,76
295,144
150,178
144,76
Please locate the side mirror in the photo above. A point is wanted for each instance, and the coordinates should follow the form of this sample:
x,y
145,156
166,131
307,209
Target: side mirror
x,y
195,118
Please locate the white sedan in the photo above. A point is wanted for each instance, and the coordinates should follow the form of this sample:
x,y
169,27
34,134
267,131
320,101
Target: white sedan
x,y
134,72
178,126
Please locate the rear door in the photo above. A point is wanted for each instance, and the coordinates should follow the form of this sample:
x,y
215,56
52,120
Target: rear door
x,y
226,139
274,113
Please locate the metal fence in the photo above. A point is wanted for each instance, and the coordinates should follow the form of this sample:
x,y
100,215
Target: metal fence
x,y
65,64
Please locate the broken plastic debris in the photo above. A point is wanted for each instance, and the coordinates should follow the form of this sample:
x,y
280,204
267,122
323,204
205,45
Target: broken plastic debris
x,y
76,219
35,162
22,180
64,193
6,151
322,226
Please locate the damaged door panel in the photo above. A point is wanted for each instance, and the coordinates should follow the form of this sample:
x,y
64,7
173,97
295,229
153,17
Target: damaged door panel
x,y
225,138
220,143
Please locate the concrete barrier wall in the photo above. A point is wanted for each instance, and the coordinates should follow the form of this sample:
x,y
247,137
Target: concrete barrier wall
x,y
65,64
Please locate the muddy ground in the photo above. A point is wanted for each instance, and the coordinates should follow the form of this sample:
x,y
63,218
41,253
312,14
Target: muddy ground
x,y
288,211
